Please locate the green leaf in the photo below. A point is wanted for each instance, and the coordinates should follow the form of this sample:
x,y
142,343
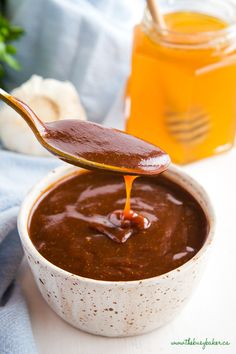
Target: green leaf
x,y
10,61
2,47
4,31
14,33
8,34
10,49
1,71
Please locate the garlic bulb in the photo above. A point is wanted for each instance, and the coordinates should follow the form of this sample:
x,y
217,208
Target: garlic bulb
x,y
51,100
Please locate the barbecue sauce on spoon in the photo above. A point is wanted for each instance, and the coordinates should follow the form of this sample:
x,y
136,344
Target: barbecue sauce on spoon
x,y
91,145
95,147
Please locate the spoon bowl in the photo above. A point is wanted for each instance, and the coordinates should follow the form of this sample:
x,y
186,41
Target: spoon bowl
x,y
92,146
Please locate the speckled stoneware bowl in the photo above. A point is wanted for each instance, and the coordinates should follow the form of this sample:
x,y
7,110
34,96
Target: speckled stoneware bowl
x,y
115,308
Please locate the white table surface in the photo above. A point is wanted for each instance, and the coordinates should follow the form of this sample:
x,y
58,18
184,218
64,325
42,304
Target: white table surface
x,y
211,312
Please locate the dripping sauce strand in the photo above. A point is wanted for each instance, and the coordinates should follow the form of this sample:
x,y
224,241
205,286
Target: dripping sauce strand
x,y
120,224
127,218
128,186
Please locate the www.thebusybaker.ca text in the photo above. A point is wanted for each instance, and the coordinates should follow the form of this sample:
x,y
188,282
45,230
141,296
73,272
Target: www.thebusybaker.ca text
x,y
203,343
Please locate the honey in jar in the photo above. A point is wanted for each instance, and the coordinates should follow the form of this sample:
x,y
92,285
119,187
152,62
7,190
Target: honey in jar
x,y
181,94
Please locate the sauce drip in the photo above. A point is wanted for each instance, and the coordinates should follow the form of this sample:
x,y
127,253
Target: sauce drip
x,y
128,186
127,220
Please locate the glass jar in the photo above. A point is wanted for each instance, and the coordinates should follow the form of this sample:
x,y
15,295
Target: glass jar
x,y
181,94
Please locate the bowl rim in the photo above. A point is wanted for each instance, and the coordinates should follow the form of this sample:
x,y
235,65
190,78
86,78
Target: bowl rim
x,y
63,172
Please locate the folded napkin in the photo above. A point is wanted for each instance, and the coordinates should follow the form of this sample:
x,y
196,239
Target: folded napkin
x,y
17,174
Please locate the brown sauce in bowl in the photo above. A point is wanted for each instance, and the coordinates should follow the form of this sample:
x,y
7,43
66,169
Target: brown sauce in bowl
x,y
73,225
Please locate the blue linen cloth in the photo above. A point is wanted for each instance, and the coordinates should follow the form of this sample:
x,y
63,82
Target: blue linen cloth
x,y
87,42
17,174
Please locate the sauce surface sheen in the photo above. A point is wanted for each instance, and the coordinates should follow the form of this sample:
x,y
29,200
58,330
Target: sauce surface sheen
x,y
65,222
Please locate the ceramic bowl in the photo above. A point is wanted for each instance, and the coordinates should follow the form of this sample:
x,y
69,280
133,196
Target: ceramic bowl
x,y
111,308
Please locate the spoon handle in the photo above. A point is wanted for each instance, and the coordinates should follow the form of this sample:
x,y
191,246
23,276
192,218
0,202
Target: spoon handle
x,y
26,113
